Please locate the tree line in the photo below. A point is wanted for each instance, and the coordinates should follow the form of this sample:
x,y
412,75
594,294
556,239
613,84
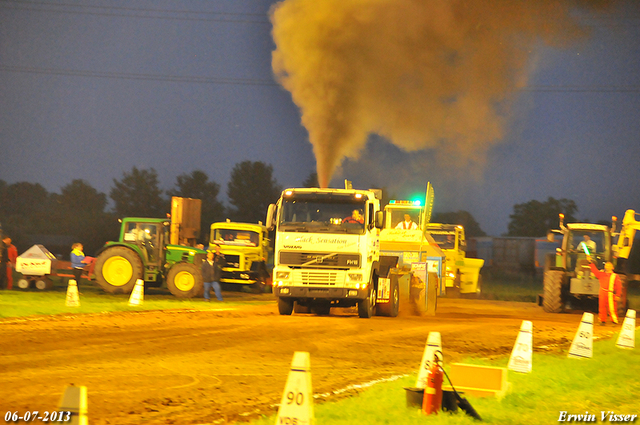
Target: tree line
x,y
29,214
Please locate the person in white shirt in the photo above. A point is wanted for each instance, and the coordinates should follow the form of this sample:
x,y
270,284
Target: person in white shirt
x,y
407,224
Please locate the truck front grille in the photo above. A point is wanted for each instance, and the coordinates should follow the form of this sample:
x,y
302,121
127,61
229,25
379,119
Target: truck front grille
x,y
233,261
317,277
319,259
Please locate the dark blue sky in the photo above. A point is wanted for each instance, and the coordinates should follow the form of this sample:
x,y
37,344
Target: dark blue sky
x,y
89,89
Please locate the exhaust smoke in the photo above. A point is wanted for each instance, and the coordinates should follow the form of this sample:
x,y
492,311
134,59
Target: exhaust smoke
x,y
421,73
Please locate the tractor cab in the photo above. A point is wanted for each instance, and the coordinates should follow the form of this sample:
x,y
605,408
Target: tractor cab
x,y
582,240
148,236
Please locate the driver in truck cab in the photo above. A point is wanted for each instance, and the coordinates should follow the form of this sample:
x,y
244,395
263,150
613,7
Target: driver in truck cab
x,y
407,224
356,217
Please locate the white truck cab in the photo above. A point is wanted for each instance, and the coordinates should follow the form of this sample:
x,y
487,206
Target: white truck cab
x,y
327,249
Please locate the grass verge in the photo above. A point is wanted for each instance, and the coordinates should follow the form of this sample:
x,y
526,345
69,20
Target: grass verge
x,y
20,303
608,382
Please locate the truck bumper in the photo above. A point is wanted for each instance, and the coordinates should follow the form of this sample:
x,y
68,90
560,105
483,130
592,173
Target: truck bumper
x,y
329,294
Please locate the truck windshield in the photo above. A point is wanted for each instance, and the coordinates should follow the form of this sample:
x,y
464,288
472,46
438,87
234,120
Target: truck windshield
x,y
403,218
336,215
444,239
234,237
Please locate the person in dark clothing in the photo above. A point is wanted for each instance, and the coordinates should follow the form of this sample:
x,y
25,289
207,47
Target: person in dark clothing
x,y
211,272
3,262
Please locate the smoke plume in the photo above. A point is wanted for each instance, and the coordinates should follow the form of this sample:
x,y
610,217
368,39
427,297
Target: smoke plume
x,y
422,73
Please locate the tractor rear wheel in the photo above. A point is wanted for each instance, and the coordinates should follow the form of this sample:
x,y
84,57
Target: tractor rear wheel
x,y
117,270
552,285
184,280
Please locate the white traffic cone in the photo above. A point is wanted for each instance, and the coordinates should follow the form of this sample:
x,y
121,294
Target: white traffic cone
x,y
627,337
521,356
296,406
434,344
73,406
73,299
137,295
582,345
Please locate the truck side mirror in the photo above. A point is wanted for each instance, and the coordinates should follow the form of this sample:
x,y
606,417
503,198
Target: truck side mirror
x,y
379,220
270,221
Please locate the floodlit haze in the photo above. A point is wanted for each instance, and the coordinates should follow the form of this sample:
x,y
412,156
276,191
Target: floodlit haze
x,y
494,105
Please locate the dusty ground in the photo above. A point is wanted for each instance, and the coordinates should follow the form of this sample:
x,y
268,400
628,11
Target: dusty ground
x,y
168,367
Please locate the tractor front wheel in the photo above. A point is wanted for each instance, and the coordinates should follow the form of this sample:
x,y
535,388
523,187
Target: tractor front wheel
x,y
185,280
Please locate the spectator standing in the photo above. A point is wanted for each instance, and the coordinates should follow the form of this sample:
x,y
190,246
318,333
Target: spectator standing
x,y
3,264
211,273
12,256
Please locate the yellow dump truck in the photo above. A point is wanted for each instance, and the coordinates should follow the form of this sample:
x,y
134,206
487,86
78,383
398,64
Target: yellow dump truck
x,y
246,249
462,275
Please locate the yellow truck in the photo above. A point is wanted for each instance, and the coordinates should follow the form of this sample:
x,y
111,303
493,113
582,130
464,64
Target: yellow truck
x,y
246,249
462,275
404,236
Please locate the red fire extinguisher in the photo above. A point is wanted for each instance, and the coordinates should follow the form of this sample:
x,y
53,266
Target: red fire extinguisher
x,y
432,399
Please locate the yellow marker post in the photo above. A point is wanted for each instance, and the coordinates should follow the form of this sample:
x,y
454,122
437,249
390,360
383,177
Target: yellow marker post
x,y
73,406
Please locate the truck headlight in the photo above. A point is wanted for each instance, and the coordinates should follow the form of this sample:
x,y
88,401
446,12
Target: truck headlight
x,y
282,275
355,277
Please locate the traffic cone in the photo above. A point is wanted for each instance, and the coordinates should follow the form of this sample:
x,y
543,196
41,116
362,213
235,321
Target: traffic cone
x,y
296,406
137,295
521,355
73,299
582,345
627,337
434,344
73,406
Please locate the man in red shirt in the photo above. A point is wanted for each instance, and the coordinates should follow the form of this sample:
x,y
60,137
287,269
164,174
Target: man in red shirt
x,y
610,291
12,255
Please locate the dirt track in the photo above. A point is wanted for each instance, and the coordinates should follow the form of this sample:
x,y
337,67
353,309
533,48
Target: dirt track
x,y
168,367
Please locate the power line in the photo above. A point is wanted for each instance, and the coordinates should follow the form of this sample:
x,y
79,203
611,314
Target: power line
x,y
226,17
582,89
143,77
265,82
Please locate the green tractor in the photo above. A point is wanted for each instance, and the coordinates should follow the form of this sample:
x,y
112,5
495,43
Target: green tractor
x,y
154,250
568,280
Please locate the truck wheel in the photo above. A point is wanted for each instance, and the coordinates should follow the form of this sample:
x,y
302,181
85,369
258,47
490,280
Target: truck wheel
x,y
285,306
391,308
185,280
117,270
623,302
367,307
552,286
